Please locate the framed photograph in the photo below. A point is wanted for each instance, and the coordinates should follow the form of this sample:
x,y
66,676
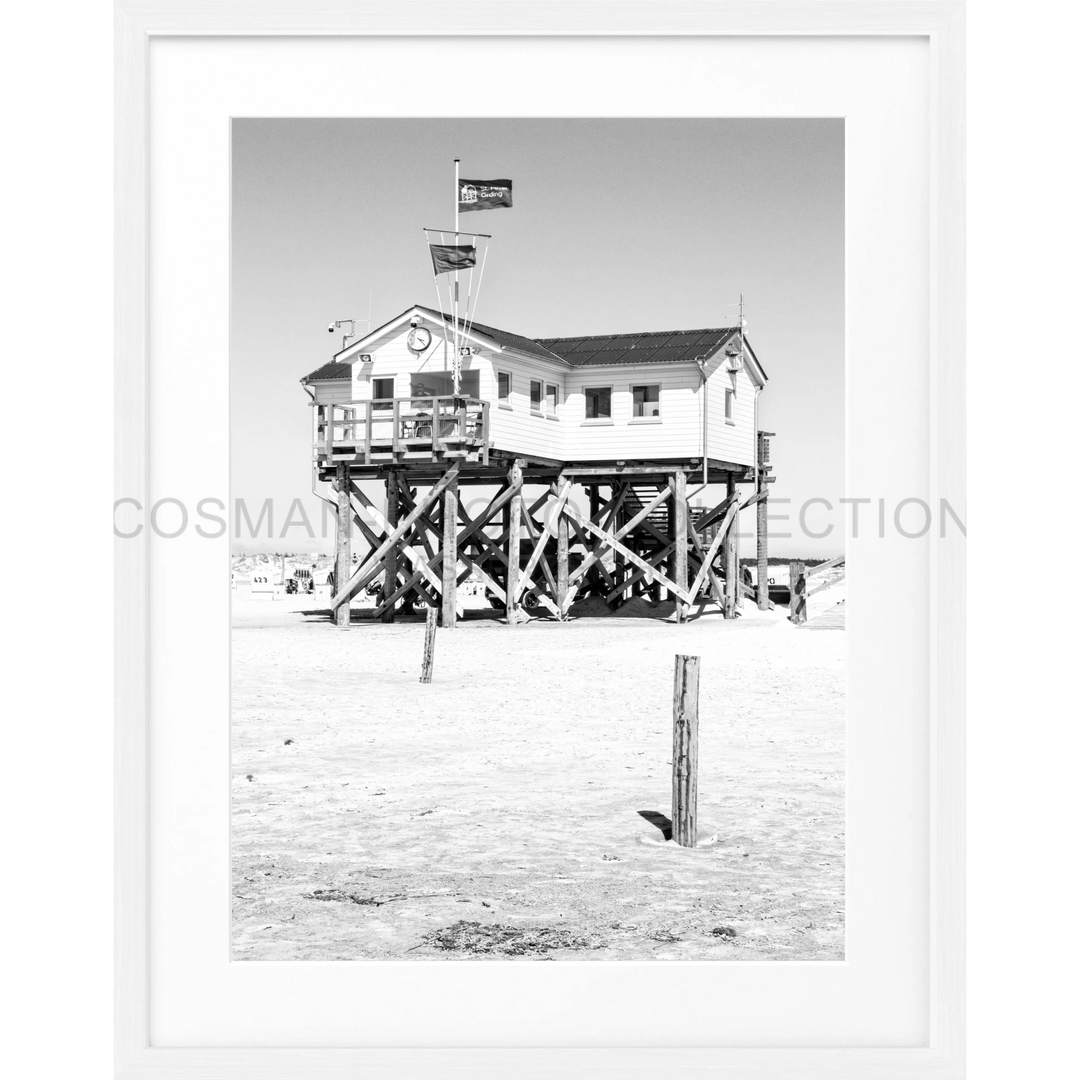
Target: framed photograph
x,y
540,525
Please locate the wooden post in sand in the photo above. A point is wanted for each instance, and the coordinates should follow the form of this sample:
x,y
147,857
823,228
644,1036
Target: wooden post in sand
x,y
429,644
343,559
684,752
797,590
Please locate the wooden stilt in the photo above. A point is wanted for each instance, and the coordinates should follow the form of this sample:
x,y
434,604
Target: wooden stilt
x,y
513,550
343,555
678,483
389,585
762,524
449,550
563,553
684,752
731,557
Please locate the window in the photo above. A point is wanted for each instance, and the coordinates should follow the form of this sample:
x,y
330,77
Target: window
x,y
506,384
552,398
441,384
381,391
646,400
729,406
597,402
536,395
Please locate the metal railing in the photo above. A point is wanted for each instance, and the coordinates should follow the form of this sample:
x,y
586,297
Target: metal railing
x,y
392,427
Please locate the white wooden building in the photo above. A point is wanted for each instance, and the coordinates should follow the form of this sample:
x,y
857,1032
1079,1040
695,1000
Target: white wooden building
x,y
661,396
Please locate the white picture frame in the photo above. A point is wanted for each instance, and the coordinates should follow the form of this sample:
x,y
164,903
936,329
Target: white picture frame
x,y
941,23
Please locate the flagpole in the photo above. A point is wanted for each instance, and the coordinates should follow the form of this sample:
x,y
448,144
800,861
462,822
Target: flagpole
x,y
457,240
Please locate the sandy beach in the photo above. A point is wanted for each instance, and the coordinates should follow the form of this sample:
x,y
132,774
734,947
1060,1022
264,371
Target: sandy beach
x,y
509,809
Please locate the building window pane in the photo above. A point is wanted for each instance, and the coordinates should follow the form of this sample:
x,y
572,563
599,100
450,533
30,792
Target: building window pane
x,y
382,392
441,384
552,399
646,400
598,403
505,384
536,395
729,404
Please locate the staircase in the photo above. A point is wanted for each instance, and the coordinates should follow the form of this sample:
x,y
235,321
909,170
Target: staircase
x,y
637,498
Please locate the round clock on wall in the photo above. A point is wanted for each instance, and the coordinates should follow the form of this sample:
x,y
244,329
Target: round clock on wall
x,y
419,338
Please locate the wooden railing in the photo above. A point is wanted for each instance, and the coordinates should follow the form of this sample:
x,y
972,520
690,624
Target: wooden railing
x,y
395,427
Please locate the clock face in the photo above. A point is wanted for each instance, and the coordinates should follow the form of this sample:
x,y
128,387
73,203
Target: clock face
x,y
419,338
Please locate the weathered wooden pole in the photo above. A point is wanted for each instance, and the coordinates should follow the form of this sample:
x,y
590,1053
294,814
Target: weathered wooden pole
x,y
762,521
731,557
343,555
797,589
449,553
681,532
562,579
684,752
513,547
762,549
390,574
429,645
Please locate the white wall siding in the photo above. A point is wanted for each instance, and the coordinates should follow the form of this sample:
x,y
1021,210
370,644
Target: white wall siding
x,y
337,392
678,434
518,427
731,442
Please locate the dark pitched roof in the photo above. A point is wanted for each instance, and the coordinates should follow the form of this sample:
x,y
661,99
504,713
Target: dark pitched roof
x,y
647,347
652,347
500,337
329,372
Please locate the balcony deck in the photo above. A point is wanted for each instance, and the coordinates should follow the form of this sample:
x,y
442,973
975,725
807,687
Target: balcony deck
x,y
405,430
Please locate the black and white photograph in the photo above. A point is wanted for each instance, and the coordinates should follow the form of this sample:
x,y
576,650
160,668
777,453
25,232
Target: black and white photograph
x,y
538,615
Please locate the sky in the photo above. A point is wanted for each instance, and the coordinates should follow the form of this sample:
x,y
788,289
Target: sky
x,y
618,225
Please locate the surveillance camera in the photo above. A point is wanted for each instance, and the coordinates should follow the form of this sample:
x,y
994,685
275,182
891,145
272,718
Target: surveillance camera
x,y
415,320
331,328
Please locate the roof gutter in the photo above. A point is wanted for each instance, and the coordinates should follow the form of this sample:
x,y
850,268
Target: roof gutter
x,y
701,361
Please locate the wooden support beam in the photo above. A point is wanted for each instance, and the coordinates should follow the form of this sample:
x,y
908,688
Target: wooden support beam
x,y
547,601
428,569
417,560
726,527
762,528
389,585
824,585
651,573
554,515
822,567
513,549
343,551
638,575
731,553
682,513
563,548
449,555
345,591
684,752
622,531
797,589
699,547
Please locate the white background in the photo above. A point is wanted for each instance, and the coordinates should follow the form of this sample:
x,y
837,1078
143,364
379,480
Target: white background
x,y
878,996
